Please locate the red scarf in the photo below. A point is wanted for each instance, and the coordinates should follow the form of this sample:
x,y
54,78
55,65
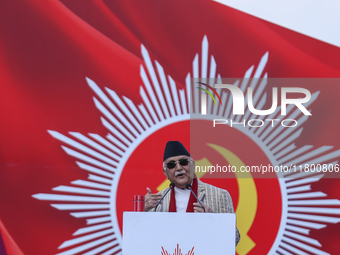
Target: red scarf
x,y
192,199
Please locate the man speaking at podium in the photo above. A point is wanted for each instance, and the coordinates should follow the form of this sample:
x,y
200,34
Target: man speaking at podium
x,y
179,168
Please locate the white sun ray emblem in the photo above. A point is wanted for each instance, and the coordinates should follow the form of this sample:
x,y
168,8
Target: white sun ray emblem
x,y
94,199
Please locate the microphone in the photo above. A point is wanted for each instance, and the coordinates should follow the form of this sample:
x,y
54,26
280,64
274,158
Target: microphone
x,y
188,186
171,186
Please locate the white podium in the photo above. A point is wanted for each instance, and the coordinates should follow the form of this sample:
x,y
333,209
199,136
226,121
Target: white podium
x,y
165,233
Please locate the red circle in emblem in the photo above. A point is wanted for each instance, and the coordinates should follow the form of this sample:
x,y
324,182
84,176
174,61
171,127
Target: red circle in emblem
x,y
144,169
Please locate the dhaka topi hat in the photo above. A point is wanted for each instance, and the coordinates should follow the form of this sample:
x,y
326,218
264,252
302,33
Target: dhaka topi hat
x,y
174,148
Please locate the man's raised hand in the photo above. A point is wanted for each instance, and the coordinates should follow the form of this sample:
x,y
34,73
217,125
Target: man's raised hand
x,y
151,200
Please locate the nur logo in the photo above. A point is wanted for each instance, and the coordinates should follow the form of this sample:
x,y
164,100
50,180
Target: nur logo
x,y
239,103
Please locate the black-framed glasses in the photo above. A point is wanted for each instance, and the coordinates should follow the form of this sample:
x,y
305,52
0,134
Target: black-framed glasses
x,y
183,162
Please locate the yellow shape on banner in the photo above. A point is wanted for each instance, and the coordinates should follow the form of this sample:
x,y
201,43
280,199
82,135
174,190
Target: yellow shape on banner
x,y
163,185
247,203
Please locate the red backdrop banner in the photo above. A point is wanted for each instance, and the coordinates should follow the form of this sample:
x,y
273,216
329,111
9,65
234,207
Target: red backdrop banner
x,y
91,91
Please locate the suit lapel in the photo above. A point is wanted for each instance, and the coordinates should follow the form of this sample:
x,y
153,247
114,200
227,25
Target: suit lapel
x,y
200,190
166,203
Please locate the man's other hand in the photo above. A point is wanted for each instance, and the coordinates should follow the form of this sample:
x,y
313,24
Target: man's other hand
x,y
199,209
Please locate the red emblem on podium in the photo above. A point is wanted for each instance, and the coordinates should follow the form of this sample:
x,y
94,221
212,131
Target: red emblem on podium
x,y
178,251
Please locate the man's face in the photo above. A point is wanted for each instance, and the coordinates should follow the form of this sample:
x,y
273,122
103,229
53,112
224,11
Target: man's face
x,y
180,175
